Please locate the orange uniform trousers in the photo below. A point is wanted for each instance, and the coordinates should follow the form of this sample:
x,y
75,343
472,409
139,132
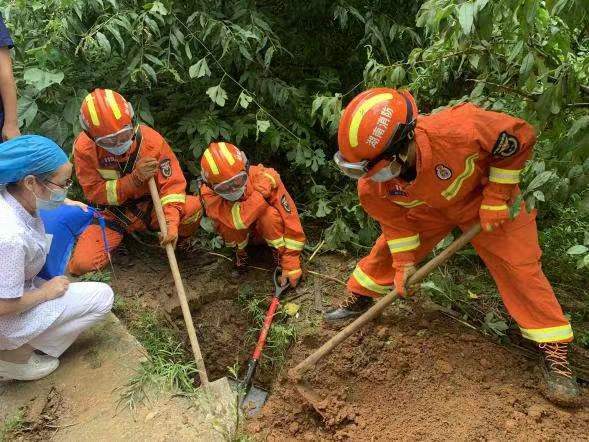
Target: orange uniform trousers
x,y
268,228
510,252
90,254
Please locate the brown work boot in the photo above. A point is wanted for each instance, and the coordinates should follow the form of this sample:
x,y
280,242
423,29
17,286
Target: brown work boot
x,y
353,305
559,383
240,263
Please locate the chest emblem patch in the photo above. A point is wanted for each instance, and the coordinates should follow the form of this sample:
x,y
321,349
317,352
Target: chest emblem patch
x,y
505,146
166,167
285,204
443,172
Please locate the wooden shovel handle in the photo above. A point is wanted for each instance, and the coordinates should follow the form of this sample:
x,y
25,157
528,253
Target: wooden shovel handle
x,y
159,211
296,372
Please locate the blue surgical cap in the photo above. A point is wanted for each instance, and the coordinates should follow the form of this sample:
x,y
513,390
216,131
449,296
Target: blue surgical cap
x,y
29,155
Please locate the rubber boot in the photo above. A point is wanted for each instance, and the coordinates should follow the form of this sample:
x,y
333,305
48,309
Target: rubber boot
x,y
559,383
353,305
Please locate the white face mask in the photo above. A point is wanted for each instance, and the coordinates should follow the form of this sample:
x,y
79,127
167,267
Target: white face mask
x,y
387,173
235,195
121,149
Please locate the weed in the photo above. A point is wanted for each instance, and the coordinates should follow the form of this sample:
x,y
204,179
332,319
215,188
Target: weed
x,y
12,425
282,333
168,364
97,276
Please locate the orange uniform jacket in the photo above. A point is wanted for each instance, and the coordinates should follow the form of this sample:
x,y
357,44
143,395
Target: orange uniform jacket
x,y
242,215
464,153
106,179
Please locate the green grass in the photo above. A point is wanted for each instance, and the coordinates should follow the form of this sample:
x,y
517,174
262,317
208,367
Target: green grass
x,y
97,276
12,425
282,333
168,365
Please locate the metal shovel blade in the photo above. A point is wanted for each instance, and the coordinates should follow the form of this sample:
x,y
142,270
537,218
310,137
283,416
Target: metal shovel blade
x,y
253,401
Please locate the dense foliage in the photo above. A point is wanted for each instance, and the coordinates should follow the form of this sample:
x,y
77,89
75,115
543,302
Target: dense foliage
x,y
272,76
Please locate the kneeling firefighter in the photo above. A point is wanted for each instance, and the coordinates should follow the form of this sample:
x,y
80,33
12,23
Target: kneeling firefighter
x,y
251,203
420,177
114,159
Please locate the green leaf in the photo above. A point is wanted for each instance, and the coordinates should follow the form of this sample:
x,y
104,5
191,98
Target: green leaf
x,y
103,42
262,125
398,76
540,180
200,69
323,209
26,111
217,95
466,17
577,250
527,65
244,100
539,195
40,79
149,71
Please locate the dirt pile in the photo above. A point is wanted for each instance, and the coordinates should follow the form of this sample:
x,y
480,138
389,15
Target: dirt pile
x,y
415,375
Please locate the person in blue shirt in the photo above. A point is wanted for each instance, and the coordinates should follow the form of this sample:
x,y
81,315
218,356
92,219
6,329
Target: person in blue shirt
x,y
8,114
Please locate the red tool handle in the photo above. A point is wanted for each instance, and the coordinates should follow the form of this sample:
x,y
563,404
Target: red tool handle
x,y
266,328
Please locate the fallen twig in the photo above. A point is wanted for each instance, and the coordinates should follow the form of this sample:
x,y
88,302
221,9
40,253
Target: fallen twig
x,y
331,278
316,250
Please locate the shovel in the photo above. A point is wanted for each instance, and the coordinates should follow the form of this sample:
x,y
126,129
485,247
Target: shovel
x,y
253,398
296,374
220,389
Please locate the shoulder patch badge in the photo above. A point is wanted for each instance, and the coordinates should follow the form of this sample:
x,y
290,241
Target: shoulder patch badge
x,y
166,167
505,146
443,172
285,204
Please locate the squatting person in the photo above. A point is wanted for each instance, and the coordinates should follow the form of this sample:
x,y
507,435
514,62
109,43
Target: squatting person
x,y
250,202
114,159
36,314
421,176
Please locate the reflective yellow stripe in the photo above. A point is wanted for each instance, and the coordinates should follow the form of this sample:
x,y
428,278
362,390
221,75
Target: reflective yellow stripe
x,y
230,244
550,334
109,174
271,178
404,244
111,193
504,176
495,208
173,198
454,188
192,219
243,245
110,99
361,111
293,244
294,272
368,283
236,215
92,109
211,161
227,154
413,203
276,243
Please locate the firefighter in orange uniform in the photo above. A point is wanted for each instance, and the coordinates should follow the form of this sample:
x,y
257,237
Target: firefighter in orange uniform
x,y
114,161
251,203
421,176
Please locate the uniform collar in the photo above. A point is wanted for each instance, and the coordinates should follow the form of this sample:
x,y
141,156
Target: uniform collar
x,y
18,209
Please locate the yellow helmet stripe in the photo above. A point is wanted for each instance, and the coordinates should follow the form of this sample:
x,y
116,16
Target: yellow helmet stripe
x,y
211,161
361,111
92,109
110,99
227,154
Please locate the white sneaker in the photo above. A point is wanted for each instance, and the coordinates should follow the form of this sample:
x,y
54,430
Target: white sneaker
x,y
37,367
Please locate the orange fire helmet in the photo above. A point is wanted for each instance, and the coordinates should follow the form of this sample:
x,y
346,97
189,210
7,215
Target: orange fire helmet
x,y
221,162
105,112
374,121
